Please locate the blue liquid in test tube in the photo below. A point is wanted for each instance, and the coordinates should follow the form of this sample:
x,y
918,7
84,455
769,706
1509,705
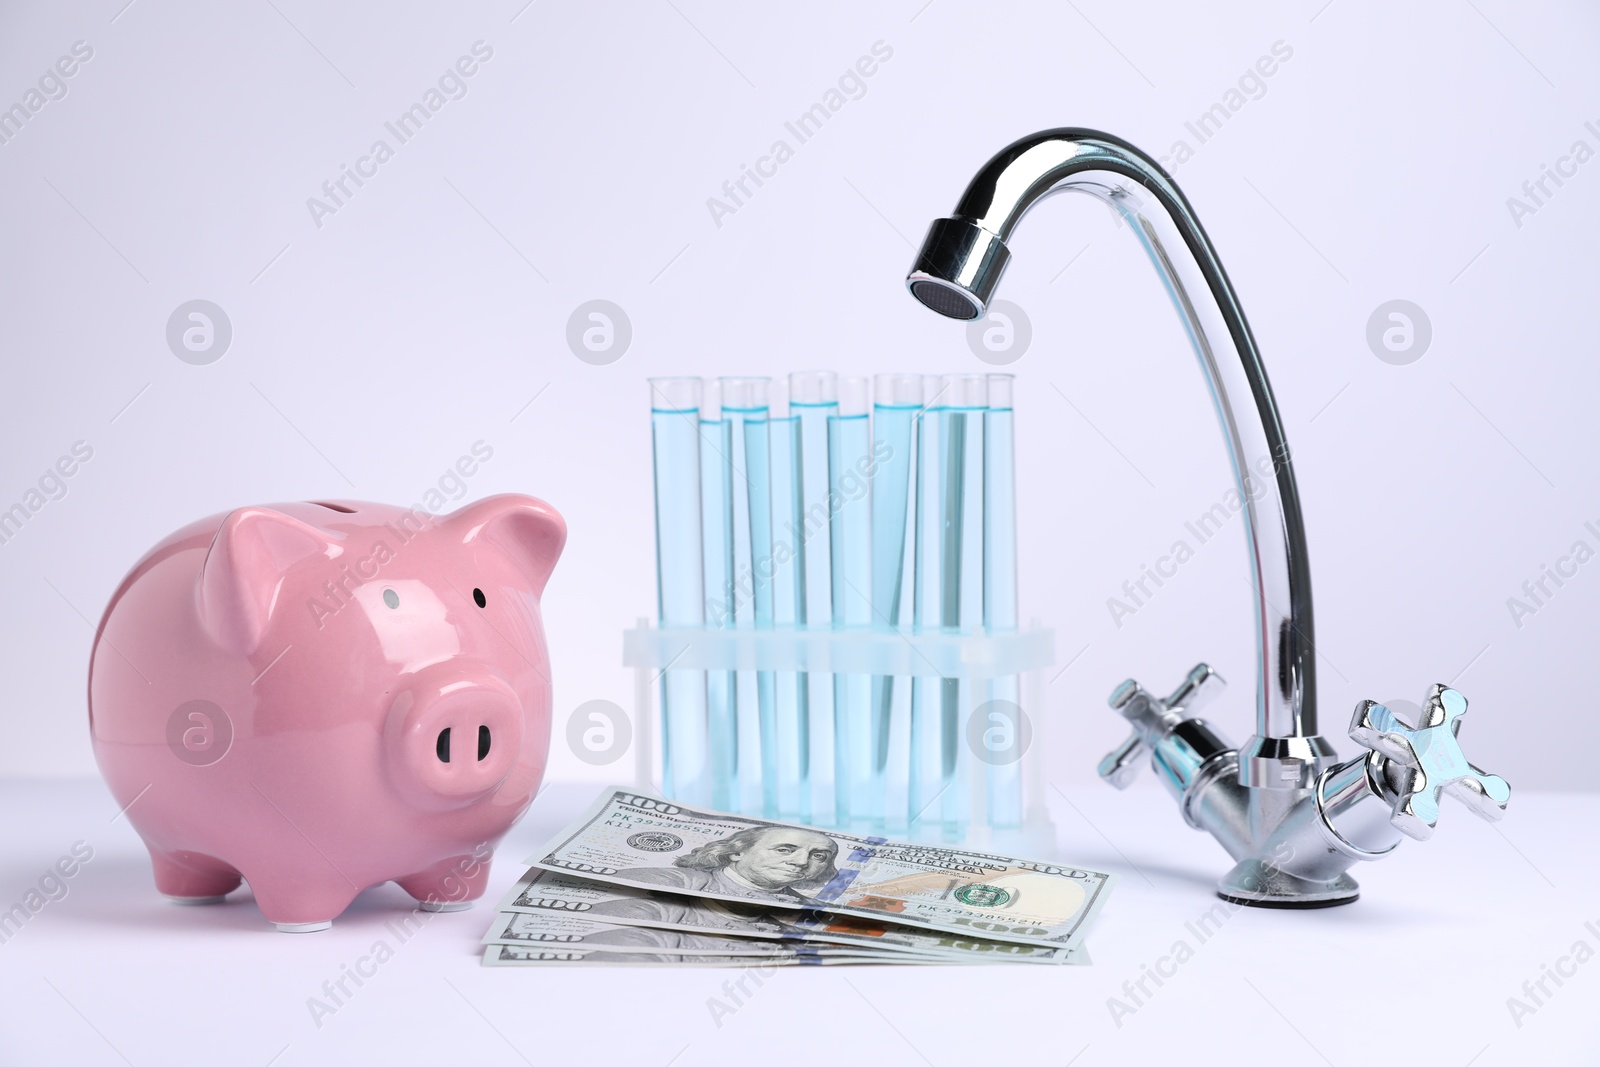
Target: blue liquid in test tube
x,y
897,399
788,591
814,400
849,466
961,578
675,447
745,409
1003,735
928,783
716,510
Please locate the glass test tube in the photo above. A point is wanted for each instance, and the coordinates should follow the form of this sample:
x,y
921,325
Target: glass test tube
x,y
788,590
716,524
961,579
896,400
849,460
928,783
1004,729
745,408
813,400
675,450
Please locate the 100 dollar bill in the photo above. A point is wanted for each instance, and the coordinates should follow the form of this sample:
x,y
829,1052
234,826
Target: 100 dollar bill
x,y
545,956
632,839
545,892
557,931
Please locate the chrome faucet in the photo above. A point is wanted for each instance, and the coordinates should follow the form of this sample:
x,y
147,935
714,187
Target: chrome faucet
x,y
1292,818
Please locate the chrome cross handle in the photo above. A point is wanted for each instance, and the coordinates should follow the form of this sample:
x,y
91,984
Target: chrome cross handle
x,y
1154,719
1431,762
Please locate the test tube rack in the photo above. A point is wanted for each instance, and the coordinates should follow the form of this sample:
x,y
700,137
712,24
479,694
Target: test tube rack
x,y
838,641
976,658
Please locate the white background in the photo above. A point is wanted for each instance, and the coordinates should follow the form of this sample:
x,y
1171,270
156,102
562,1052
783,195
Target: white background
x,y
377,349
426,313
372,351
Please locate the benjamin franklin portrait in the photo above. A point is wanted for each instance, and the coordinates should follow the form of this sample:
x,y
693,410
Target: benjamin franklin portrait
x,y
772,863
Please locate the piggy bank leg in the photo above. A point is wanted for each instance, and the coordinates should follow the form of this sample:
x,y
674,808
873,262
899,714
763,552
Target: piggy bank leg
x,y
190,878
450,885
299,904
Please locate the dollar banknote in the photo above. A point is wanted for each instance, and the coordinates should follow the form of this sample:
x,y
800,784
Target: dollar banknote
x,y
633,839
541,892
540,956
557,931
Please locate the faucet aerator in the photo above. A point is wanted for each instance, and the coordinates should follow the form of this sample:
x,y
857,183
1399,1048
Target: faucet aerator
x,y
958,268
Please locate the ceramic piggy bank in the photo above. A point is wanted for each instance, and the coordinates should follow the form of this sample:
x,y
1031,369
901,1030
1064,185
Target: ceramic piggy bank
x,y
320,697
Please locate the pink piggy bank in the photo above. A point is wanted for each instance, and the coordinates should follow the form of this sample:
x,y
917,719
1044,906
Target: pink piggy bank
x,y
321,697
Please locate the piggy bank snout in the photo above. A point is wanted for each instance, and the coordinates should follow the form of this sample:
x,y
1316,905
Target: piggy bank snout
x,y
453,736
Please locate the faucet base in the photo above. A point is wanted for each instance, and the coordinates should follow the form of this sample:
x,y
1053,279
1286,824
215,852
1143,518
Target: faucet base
x,y
1288,905
1255,884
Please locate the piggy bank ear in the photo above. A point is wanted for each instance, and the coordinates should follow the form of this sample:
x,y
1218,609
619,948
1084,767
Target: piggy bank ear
x,y
244,569
525,528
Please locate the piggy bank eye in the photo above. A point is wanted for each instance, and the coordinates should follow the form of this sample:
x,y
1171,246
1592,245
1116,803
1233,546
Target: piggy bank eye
x,y
479,599
391,598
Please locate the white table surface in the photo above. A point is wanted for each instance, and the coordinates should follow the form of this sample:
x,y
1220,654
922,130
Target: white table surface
x,y
1416,972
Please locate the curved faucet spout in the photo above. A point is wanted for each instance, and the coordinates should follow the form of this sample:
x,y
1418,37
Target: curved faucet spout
x,y
956,273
